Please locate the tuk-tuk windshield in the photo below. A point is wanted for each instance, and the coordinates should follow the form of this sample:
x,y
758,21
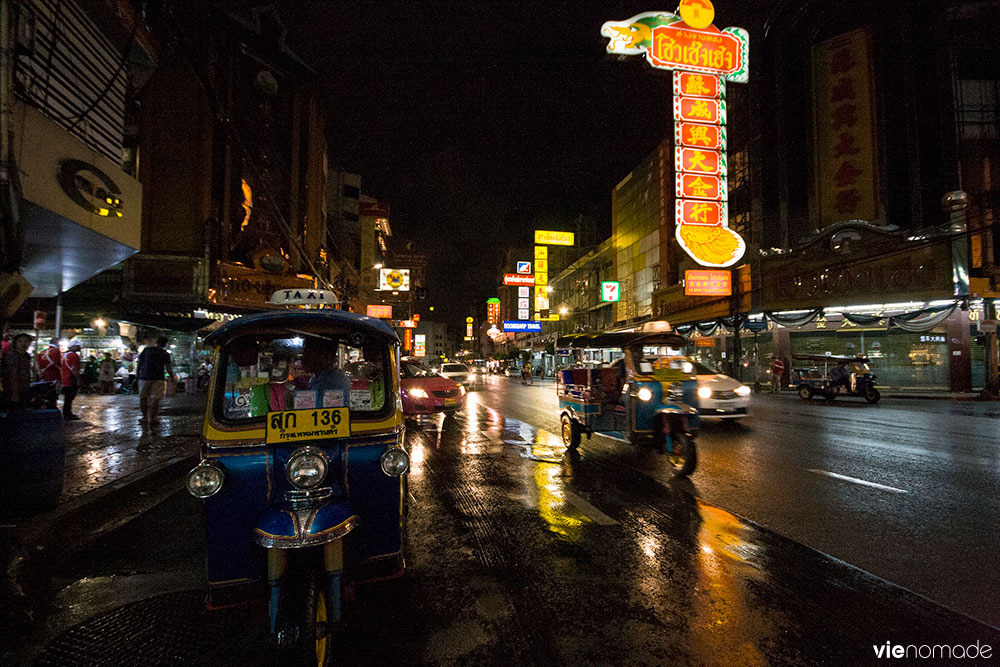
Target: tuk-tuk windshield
x,y
860,368
662,358
300,372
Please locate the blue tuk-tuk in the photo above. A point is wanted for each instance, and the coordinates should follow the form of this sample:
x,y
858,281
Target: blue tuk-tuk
x,y
648,392
303,470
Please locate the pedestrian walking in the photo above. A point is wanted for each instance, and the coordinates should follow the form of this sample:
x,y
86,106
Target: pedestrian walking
x,y
154,366
107,374
15,368
777,372
71,378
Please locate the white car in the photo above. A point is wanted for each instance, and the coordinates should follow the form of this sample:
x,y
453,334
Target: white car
x,y
720,396
460,373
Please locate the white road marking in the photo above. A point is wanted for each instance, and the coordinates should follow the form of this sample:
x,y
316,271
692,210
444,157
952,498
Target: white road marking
x,y
592,513
858,481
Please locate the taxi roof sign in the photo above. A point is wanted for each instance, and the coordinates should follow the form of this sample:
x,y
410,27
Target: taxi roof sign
x,y
657,325
304,297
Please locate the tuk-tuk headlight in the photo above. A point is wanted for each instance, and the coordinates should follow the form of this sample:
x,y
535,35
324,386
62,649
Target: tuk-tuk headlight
x,y
395,461
306,468
644,394
205,479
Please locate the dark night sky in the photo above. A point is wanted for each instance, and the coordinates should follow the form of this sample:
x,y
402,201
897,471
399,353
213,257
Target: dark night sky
x,y
480,122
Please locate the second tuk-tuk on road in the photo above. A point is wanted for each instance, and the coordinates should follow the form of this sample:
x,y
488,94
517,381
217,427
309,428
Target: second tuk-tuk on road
x,y
303,470
830,377
649,393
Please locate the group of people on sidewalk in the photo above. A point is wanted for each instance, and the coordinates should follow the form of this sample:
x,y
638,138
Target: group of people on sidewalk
x,y
23,387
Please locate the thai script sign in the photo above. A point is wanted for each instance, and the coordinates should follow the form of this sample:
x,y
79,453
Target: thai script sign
x,y
292,426
517,279
553,238
380,311
708,283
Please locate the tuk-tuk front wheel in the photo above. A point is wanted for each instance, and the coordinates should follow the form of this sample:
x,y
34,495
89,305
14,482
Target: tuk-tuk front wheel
x,y
570,432
805,392
303,633
872,395
681,453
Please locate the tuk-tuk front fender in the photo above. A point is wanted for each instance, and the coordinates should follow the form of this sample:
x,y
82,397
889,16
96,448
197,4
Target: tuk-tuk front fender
x,y
683,418
282,527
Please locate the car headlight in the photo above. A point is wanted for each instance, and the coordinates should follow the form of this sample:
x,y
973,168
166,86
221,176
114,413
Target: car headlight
x,y
704,392
306,468
205,479
644,394
461,390
742,390
395,461
417,393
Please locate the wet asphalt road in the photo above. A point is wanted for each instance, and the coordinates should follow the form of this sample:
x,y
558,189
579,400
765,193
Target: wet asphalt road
x,y
519,554
933,530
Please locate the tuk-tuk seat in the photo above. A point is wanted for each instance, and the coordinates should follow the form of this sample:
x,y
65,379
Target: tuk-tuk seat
x,y
605,385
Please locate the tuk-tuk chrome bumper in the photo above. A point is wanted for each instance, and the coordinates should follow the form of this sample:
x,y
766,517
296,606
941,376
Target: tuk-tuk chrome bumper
x,y
288,528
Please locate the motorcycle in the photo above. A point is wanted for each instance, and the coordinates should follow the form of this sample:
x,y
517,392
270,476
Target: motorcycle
x,y
303,471
526,377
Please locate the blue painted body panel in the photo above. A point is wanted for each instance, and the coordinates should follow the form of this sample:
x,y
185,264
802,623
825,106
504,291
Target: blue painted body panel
x,y
627,413
252,497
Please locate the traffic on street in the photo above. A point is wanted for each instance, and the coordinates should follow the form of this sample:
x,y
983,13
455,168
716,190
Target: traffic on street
x,y
783,547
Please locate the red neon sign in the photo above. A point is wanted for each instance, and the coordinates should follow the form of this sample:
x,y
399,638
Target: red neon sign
x,y
700,186
699,110
517,279
382,312
697,160
699,135
712,51
694,212
690,84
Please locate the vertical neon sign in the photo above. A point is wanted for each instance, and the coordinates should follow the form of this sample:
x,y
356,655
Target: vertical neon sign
x,y
702,58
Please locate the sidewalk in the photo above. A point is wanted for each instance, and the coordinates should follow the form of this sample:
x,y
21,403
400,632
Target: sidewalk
x,y
108,454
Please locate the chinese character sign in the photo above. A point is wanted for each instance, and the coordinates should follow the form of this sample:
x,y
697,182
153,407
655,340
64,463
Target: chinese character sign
x,y
702,58
843,101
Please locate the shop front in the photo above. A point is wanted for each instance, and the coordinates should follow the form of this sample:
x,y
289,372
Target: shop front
x,y
891,299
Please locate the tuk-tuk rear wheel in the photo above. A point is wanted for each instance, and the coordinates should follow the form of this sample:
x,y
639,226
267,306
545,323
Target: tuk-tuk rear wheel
x,y
571,434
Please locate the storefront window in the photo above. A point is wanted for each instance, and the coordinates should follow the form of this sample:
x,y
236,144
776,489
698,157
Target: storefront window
x,y
898,358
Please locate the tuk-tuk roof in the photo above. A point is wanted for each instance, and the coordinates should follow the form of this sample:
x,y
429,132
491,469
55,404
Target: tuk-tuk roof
x,y
291,318
620,339
827,358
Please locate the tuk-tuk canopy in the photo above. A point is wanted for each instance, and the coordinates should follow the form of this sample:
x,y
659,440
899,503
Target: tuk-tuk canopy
x,y
620,339
290,319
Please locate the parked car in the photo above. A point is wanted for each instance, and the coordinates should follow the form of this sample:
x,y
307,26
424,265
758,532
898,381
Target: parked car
x,y
425,392
457,372
720,396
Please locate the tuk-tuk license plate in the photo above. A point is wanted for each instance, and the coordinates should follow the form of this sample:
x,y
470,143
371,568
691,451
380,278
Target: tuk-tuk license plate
x,y
292,426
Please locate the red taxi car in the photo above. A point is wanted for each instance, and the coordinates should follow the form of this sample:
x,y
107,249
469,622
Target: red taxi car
x,y
424,392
